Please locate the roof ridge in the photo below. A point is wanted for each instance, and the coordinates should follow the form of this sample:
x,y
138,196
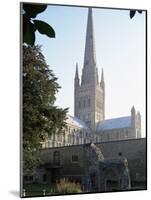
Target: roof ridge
x,y
116,118
114,123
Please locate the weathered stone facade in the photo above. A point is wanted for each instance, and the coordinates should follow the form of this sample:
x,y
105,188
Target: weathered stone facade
x,y
120,166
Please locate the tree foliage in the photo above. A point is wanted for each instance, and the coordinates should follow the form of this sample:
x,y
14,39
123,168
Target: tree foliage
x,y
40,117
133,12
31,25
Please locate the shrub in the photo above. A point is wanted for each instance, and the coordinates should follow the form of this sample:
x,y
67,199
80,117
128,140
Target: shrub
x,y
65,186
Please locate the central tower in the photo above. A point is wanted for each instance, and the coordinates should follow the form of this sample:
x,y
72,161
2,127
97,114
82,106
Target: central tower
x,y
89,93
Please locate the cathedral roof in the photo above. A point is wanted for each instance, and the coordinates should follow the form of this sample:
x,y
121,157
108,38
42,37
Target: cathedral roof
x,y
115,123
76,122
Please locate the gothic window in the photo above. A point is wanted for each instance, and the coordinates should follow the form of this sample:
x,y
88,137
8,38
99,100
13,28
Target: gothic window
x,y
88,123
75,158
73,139
79,104
80,133
89,103
77,142
69,139
56,157
84,103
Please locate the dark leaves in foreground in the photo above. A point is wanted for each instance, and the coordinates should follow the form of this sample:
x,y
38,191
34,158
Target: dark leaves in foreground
x,y
41,118
30,26
133,12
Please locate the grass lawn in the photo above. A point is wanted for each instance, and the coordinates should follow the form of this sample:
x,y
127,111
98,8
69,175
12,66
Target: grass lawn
x,y
37,189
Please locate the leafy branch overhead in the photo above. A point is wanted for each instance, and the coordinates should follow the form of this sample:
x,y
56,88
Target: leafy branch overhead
x,y
31,25
133,12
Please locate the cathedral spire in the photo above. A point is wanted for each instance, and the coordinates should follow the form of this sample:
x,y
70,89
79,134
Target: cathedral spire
x,y
89,93
89,74
89,45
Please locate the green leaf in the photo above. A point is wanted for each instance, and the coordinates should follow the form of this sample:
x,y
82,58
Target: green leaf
x,y
132,13
44,28
28,32
32,10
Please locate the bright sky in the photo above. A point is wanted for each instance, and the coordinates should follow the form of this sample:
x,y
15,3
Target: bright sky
x,y
120,50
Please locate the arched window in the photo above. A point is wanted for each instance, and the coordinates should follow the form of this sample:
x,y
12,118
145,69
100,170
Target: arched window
x,y
77,142
84,103
73,139
69,138
79,104
89,102
56,157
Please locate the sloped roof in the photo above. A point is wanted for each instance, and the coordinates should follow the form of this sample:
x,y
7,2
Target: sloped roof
x,y
115,123
76,122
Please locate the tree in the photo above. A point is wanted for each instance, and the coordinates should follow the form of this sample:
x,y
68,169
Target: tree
x,y
31,25
40,117
133,12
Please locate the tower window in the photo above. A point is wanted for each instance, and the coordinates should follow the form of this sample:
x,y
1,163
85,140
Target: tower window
x,y
89,103
79,104
77,140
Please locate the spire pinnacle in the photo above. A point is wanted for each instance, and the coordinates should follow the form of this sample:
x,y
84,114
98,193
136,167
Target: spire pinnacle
x,y
77,73
102,83
133,109
102,76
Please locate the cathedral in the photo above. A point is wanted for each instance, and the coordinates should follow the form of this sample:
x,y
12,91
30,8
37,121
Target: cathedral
x,y
100,154
89,123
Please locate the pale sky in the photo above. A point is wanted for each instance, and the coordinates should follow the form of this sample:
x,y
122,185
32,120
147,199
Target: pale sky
x,y
120,50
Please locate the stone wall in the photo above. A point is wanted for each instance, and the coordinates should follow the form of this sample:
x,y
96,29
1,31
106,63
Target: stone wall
x,y
73,159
